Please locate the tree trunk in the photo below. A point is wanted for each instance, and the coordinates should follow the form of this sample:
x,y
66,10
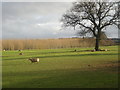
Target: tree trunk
x,y
97,44
97,40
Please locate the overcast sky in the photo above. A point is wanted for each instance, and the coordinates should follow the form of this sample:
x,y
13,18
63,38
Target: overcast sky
x,y
37,20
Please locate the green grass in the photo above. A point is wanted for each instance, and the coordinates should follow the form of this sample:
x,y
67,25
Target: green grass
x,y
61,68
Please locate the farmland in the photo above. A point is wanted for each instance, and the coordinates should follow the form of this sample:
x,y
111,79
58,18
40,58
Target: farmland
x,y
61,68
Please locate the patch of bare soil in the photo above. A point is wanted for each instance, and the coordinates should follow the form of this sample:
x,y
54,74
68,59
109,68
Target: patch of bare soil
x,y
109,67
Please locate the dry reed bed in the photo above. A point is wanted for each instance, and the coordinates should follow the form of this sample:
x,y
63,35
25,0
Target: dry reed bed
x,y
50,43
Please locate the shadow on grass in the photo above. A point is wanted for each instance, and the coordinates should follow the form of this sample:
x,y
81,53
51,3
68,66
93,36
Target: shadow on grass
x,y
72,51
60,56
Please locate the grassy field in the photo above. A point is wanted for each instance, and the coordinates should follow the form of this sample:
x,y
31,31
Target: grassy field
x,y
61,68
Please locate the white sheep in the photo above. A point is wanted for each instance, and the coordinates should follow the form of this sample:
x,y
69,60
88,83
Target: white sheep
x,y
34,60
106,50
93,50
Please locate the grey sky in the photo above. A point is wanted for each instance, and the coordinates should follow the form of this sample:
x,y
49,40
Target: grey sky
x,y
37,20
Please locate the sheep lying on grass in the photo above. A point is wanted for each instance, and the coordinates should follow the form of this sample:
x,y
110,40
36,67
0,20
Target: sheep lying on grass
x,y
20,53
93,50
100,50
34,60
104,50
19,50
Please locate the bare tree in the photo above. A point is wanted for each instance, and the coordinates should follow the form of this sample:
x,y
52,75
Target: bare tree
x,y
103,36
92,17
82,32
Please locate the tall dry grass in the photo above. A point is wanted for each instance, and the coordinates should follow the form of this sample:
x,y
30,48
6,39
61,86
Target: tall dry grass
x,y
50,43
0,44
